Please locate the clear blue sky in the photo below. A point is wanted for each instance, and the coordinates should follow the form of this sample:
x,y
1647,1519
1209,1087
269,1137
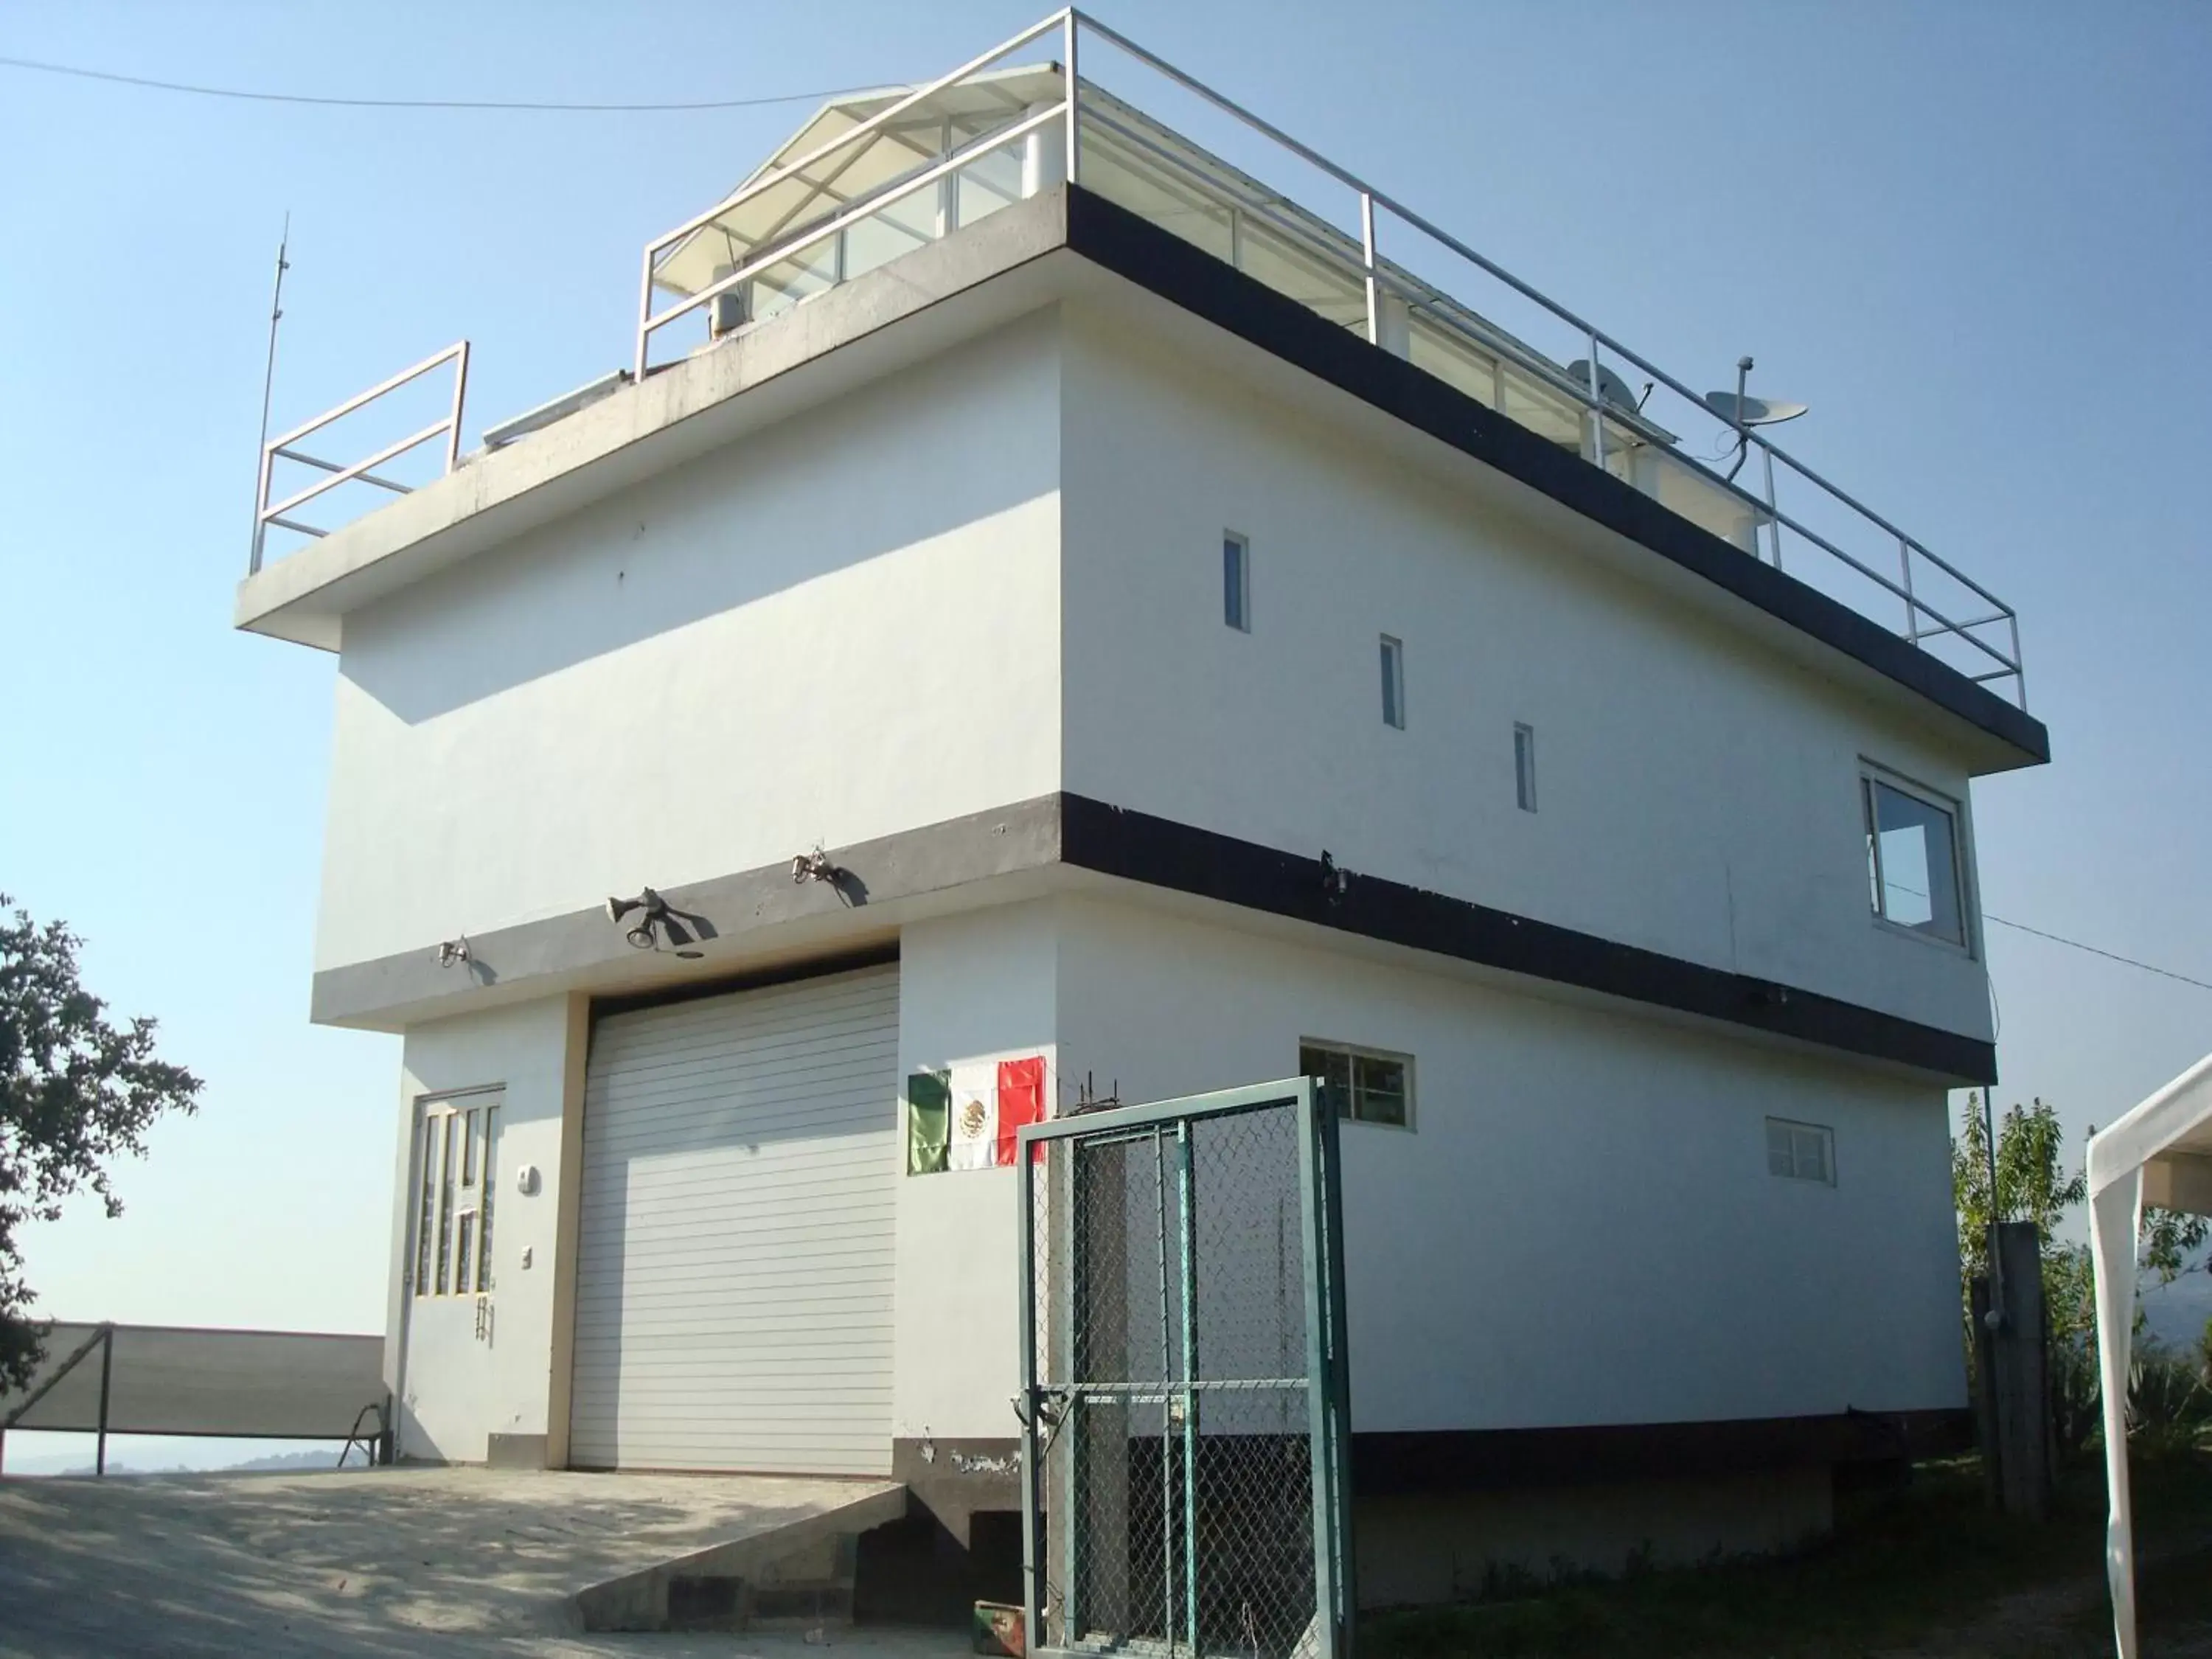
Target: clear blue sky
x,y
1974,237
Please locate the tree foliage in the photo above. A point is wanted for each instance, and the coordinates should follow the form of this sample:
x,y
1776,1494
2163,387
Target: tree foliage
x,y
2032,1185
77,1092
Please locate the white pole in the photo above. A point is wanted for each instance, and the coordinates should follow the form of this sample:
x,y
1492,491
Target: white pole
x,y
2113,1214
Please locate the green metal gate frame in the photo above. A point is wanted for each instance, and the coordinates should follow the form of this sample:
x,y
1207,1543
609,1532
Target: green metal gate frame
x,y
1328,1377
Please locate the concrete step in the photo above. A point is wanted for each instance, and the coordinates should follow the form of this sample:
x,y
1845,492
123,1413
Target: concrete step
x,y
798,1573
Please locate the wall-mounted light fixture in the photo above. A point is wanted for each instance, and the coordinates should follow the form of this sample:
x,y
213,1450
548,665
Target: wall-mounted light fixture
x,y
814,866
652,912
654,919
454,952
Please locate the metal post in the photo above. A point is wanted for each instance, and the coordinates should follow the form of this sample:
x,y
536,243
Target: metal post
x,y
1069,23
644,314
1186,1189
1598,407
1367,251
1331,1199
1911,607
1773,513
460,390
1326,1560
1032,1472
107,1370
268,386
2018,668
1168,1409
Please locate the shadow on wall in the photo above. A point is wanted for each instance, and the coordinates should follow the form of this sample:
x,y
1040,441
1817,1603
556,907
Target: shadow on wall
x,y
952,442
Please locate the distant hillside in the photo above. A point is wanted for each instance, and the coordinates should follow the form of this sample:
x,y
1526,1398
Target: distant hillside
x,y
2176,1314
311,1461
316,1457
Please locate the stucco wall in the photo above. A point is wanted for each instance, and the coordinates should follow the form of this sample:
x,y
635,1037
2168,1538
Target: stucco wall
x,y
458,1388
974,987
1581,1227
845,626
1698,793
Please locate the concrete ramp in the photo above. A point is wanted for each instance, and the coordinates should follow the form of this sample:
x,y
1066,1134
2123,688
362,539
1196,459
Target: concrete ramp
x,y
411,1563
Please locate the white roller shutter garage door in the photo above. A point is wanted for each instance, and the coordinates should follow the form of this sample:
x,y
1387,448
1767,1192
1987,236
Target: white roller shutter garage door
x,y
733,1283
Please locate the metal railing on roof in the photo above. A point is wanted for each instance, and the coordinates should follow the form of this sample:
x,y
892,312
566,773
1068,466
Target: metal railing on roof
x,y
1944,611
1979,632
282,448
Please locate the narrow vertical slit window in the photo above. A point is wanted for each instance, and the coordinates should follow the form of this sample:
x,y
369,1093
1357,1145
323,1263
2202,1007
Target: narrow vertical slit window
x,y
1394,682
1236,582
469,1151
1524,767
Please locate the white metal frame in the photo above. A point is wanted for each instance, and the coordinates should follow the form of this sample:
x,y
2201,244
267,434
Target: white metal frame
x,y
281,448
1827,1135
1874,772
1356,1052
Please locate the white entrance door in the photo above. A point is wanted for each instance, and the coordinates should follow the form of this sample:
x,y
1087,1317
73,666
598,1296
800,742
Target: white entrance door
x,y
447,1325
733,1294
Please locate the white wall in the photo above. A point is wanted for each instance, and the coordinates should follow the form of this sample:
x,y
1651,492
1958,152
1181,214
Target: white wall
x,y
1581,1227
971,986
1698,793
842,626
456,1388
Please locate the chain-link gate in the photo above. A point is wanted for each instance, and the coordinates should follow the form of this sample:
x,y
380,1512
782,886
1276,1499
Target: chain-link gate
x,y
1184,1380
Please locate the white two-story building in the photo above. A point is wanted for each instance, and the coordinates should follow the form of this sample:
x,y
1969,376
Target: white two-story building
x,y
1202,643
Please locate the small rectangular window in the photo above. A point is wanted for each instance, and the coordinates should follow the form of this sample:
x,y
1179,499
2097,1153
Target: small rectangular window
x,y
1236,582
1912,859
1365,1085
469,1151
1801,1152
1394,682
1524,767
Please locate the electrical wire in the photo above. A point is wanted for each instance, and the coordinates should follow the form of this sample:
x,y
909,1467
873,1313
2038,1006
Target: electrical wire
x,y
2060,938
244,96
2109,956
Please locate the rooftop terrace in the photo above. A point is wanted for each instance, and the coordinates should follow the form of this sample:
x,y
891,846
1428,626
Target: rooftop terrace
x,y
873,176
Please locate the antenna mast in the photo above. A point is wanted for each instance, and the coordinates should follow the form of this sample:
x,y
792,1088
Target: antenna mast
x,y
268,385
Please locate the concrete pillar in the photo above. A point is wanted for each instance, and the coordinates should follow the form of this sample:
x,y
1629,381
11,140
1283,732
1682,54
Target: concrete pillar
x,y
1393,325
1044,155
727,313
2012,1379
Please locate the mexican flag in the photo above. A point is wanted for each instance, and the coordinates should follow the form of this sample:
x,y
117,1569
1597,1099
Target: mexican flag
x,y
988,1102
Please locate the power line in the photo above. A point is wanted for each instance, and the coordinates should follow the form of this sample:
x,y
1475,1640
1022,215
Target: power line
x,y
2109,956
2060,938
240,93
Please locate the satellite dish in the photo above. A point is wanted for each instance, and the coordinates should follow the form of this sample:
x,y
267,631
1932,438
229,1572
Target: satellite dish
x,y
1611,388
1742,410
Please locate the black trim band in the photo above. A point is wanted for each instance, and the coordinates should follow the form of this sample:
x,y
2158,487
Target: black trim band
x,y
1475,1460
1115,841
954,1479
1111,236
